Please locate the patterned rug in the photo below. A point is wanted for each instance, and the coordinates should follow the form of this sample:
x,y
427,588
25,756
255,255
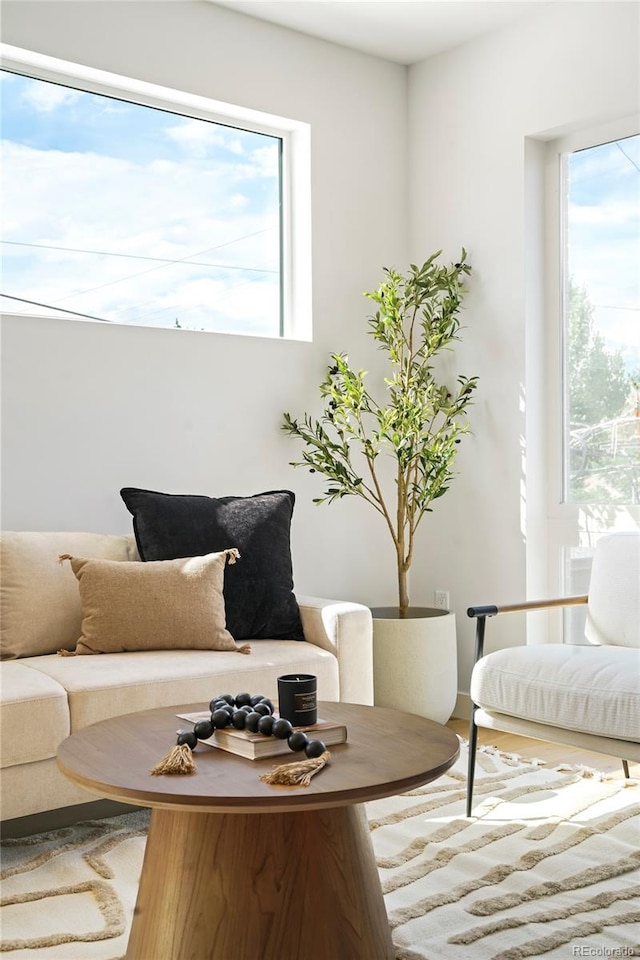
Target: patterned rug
x,y
548,866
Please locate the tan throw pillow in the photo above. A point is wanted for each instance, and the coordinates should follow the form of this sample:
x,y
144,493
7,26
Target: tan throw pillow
x,y
39,597
160,605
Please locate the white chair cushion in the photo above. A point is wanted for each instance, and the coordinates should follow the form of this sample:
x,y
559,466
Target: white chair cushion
x,y
613,615
590,689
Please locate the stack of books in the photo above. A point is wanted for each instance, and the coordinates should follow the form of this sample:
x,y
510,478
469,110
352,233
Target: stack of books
x,y
255,746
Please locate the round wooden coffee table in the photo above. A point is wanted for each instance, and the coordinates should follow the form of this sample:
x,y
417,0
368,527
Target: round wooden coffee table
x,y
235,869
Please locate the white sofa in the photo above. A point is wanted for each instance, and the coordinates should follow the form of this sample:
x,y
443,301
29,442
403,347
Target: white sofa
x,y
45,696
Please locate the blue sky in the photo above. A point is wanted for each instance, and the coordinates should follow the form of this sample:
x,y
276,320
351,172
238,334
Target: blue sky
x,y
137,189
604,238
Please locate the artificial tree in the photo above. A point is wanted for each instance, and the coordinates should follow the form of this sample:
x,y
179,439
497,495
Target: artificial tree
x,y
419,421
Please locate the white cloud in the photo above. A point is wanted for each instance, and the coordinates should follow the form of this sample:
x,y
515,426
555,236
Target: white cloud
x,y
196,137
161,209
45,97
238,201
263,162
611,212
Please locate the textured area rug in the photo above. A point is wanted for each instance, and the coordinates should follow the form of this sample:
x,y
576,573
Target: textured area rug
x,y
548,866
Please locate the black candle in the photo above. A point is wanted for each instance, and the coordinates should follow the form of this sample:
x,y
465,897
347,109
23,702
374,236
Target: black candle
x,y
297,698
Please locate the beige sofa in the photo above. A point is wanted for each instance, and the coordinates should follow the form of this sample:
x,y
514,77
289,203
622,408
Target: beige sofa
x,y
45,696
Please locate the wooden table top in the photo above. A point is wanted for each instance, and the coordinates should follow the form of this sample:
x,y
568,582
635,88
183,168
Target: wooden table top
x,y
387,752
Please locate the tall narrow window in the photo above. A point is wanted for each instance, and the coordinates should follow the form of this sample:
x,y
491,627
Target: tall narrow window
x,y
593,427
602,323
139,213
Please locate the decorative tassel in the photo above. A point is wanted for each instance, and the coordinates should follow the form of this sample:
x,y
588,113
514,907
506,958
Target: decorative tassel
x,y
179,760
245,648
297,774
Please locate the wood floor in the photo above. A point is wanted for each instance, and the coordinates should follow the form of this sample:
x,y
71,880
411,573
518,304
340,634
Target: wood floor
x,y
551,753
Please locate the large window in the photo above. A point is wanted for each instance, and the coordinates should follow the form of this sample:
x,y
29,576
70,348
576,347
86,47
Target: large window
x,y
593,308
601,214
136,210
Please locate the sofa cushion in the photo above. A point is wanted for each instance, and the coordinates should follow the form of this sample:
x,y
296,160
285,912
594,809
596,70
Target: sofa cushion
x,y
104,687
259,597
39,596
161,605
590,689
29,788
34,714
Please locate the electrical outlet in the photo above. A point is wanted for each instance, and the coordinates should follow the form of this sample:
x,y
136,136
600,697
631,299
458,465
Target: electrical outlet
x,y
441,599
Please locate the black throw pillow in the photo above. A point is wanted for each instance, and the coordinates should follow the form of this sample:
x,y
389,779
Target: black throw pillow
x,y
258,589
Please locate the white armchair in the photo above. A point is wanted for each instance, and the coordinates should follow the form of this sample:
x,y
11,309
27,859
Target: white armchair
x,y
587,696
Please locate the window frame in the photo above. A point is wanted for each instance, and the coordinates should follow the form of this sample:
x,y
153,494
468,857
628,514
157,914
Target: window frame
x,y
295,321
569,524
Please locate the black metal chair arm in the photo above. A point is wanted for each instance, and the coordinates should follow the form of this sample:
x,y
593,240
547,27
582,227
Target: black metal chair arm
x,y
488,610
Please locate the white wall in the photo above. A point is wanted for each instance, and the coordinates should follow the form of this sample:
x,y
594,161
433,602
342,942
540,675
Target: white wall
x,y
89,408
470,114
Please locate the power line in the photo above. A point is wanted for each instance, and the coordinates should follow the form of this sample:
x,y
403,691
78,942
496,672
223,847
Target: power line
x,y
133,256
48,306
599,174
161,266
162,263
155,311
630,159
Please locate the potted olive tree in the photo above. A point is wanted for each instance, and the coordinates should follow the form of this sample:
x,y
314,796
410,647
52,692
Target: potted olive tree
x,y
418,422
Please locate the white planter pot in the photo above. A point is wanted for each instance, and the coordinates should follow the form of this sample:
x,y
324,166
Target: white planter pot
x,y
415,661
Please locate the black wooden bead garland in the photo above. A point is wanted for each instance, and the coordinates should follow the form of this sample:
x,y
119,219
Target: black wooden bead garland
x,y
254,713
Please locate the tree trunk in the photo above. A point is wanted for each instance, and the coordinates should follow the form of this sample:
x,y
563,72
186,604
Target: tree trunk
x,y
403,588
401,520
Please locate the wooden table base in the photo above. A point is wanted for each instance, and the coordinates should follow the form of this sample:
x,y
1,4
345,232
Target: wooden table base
x,y
271,886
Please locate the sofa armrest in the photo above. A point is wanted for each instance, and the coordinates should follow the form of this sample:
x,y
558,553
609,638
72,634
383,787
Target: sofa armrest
x,y
346,630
